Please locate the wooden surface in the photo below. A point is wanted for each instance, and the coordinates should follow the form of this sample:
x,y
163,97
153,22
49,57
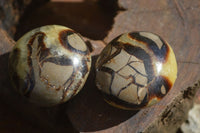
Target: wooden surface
x,y
177,21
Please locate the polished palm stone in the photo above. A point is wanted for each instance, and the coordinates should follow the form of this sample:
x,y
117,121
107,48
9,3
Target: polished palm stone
x,y
136,70
49,65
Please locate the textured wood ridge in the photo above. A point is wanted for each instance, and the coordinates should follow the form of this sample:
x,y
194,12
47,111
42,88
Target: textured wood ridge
x,y
176,21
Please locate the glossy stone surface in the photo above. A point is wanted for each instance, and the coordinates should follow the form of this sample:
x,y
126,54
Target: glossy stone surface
x,y
49,65
136,70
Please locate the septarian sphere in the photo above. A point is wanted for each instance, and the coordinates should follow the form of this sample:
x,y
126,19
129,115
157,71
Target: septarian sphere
x,y
136,70
49,65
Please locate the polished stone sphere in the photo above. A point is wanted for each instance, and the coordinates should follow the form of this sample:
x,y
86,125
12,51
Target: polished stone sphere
x,y
136,70
49,65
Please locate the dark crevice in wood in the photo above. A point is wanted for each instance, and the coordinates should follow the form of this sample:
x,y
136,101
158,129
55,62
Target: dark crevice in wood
x,y
179,130
111,5
90,19
89,45
190,92
11,11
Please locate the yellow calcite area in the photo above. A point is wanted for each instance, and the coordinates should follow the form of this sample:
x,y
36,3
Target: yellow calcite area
x,y
169,67
166,69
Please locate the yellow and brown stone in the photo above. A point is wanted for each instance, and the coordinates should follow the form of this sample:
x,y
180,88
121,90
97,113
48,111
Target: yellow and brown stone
x,y
49,65
136,70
